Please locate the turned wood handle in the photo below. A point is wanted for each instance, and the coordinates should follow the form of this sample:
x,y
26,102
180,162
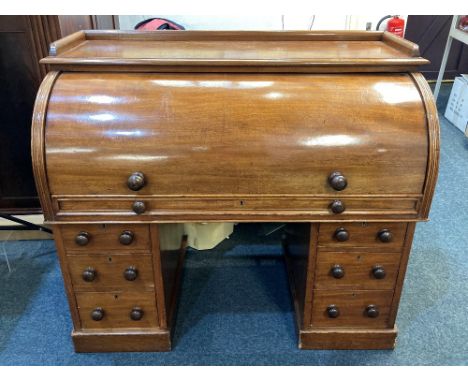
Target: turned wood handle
x,y
337,207
126,237
136,314
341,234
131,273
337,181
379,272
385,236
139,207
333,311
82,238
136,181
97,314
89,274
372,311
337,271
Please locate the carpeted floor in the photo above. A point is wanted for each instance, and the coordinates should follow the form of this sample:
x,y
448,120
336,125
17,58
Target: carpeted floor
x,y
235,307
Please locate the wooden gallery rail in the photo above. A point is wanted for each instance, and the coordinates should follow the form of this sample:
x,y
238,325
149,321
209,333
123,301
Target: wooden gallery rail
x,y
136,132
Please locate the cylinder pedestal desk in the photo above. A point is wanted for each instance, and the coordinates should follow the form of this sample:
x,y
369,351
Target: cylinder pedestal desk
x,y
333,133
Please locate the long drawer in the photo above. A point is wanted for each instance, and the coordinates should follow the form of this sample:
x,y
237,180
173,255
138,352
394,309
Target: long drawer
x,y
236,208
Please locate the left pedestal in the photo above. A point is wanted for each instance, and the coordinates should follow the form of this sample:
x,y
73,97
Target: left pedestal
x,y
122,283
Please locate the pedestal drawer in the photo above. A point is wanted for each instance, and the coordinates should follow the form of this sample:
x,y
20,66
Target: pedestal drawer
x,y
117,310
89,237
356,270
351,309
383,236
132,272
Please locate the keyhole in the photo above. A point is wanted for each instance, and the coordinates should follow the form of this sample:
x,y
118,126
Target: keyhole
x,y
241,202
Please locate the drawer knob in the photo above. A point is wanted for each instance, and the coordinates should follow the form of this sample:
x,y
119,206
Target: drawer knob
x,y
131,273
89,274
138,207
337,271
136,314
379,272
337,181
126,237
97,314
385,236
333,311
337,206
136,181
82,238
372,311
341,234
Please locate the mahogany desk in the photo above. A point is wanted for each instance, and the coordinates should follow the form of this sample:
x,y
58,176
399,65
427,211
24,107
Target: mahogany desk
x,y
135,132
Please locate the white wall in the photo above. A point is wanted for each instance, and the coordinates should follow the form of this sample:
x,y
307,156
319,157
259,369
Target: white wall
x,y
257,22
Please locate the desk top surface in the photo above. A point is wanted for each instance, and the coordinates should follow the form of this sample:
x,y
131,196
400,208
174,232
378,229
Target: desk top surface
x,y
327,51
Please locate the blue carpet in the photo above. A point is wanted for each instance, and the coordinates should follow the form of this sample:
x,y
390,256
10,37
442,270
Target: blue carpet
x,y
235,307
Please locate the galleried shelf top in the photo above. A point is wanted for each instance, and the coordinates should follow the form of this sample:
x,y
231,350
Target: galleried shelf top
x,y
239,51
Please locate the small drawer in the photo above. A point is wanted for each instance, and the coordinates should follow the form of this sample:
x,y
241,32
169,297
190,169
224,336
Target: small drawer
x,y
384,236
356,270
89,237
117,310
351,309
116,272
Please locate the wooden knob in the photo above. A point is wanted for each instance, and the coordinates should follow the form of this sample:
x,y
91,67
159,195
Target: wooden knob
x,y
89,274
136,314
337,271
131,273
136,181
372,311
385,236
138,207
126,237
337,206
341,234
379,272
97,314
333,311
82,238
337,181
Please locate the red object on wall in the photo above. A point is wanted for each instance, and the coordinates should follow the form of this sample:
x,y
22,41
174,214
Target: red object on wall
x,y
396,26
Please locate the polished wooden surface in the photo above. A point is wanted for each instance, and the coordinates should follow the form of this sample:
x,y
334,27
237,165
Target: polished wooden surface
x,y
296,243
357,268
117,307
351,305
218,144
106,237
142,340
212,147
243,51
234,208
348,339
109,272
362,235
